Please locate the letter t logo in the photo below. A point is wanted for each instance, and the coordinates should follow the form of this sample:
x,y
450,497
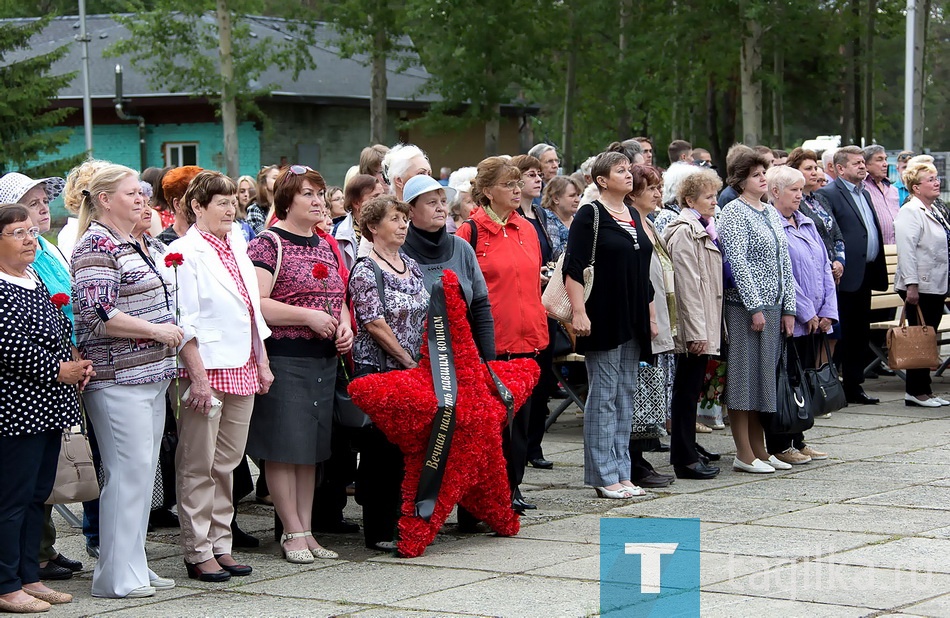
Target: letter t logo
x,y
650,563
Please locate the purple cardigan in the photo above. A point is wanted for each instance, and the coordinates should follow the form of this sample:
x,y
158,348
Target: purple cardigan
x,y
814,284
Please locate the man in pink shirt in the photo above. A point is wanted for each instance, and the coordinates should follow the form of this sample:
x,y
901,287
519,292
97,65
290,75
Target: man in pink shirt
x,y
884,196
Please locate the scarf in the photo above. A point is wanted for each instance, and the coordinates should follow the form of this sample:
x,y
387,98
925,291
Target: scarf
x,y
430,246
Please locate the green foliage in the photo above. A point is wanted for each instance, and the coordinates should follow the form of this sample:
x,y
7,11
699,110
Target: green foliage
x,y
176,45
27,124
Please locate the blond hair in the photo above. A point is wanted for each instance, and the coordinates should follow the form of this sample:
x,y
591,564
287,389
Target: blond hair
x,y
77,180
914,173
105,180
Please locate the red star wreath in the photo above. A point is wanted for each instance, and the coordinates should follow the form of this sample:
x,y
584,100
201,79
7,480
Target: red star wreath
x,y
403,405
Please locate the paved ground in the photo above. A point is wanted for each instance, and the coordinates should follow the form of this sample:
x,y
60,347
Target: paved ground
x,y
866,533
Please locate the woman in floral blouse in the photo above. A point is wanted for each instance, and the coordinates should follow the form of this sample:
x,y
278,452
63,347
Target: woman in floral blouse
x,y
391,324
302,301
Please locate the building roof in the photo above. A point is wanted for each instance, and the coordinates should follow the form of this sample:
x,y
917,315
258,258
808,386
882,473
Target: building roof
x,y
335,79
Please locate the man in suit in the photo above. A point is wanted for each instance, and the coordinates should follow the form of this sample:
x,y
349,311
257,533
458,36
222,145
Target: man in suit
x,y
865,271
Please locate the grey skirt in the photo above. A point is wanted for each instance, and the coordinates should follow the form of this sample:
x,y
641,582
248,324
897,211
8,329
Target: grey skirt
x,y
292,422
752,359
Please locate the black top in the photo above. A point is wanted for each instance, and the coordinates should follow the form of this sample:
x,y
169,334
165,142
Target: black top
x,y
34,339
168,235
538,223
619,303
858,272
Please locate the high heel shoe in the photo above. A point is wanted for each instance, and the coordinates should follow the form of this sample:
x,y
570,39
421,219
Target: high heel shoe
x,y
321,552
214,577
295,556
238,570
613,494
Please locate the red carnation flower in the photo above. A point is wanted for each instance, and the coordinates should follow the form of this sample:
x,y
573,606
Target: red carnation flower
x,y
60,300
174,259
320,271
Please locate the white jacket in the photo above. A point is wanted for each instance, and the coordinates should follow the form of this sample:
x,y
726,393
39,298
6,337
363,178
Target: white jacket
x,y
211,306
922,255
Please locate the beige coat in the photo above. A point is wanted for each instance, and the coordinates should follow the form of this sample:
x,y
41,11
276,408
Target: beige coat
x,y
697,268
921,249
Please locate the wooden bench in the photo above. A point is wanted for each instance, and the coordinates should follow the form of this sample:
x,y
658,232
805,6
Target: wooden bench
x,y
890,299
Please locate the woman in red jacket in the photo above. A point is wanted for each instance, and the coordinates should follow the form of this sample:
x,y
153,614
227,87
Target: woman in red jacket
x,y
509,255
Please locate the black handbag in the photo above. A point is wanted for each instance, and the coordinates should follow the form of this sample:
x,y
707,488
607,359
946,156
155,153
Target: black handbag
x,y
826,390
794,410
562,342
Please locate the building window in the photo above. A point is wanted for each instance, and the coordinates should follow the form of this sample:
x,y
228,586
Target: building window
x,y
181,153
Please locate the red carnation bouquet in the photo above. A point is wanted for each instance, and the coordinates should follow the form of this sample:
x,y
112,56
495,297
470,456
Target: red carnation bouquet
x,y
60,300
321,273
174,260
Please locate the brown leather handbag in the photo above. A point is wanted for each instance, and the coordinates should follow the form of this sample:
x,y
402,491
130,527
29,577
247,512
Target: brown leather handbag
x,y
912,347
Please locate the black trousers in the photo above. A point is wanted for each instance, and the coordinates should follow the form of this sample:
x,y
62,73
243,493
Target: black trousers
x,y
807,348
687,386
329,499
514,440
931,305
379,485
27,472
547,384
851,352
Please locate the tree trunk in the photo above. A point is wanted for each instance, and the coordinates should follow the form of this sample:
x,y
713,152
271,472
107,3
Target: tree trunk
x,y
778,98
847,96
626,9
570,87
492,130
228,103
379,84
869,72
712,124
751,85
920,36
859,59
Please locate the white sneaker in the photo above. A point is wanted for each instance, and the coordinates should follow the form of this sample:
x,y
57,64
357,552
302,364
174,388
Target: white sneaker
x,y
161,583
756,467
778,464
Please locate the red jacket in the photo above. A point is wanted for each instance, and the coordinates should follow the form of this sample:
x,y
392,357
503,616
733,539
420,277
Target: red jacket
x,y
510,259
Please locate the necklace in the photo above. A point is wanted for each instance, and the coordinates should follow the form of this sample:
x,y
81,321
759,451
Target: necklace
x,y
619,211
395,270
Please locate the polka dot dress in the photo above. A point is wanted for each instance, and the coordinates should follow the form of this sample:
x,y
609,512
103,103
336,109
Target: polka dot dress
x,y
34,339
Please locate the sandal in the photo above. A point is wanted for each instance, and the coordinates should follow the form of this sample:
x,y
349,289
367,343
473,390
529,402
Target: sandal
x,y
295,556
321,552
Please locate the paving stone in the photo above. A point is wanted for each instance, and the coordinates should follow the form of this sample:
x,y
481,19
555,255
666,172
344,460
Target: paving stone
x,y
767,541
838,584
232,605
917,497
938,607
518,596
733,511
862,518
793,488
937,456
909,554
874,472
715,605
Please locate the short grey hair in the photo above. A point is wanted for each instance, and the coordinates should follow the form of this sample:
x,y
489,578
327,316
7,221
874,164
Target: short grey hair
x,y
633,146
873,149
539,149
782,177
674,175
827,157
396,161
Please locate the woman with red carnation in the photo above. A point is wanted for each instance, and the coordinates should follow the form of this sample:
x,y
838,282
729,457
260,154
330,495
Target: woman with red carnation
x,y
310,325
37,401
53,270
509,254
125,324
225,365
392,327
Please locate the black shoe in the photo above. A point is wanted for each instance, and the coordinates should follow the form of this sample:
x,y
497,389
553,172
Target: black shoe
x,y
661,448
706,454
242,539
66,563
237,570
338,527
163,518
696,471
542,463
215,577
54,572
859,397
654,480
519,505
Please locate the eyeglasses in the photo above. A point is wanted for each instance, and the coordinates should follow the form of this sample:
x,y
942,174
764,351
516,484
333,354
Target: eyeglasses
x,y
20,233
905,157
299,170
511,184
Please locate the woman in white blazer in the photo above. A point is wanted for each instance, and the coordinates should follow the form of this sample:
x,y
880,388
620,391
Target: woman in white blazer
x,y
225,364
923,238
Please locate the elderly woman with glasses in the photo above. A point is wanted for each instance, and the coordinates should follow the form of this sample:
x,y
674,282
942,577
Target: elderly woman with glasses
x,y
509,254
38,379
302,299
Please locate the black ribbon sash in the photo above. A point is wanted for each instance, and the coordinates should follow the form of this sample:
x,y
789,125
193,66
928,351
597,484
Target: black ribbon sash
x,y
445,384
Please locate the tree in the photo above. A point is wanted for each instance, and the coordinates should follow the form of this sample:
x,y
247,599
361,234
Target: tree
x,y
27,122
373,28
174,44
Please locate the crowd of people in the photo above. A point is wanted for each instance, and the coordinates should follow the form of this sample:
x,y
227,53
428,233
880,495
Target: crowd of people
x,y
203,320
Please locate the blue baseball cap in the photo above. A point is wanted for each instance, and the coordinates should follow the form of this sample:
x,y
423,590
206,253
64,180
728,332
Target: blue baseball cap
x,y
418,185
